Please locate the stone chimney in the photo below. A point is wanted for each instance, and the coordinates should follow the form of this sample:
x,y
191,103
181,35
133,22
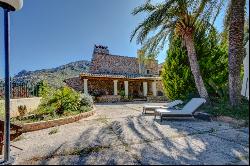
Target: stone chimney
x,y
99,49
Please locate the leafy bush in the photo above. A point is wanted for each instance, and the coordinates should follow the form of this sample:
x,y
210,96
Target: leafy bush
x,y
221,107
43,88
64,101
86,100
122,93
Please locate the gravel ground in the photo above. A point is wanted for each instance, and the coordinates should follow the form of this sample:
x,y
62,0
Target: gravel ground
x,y
119,134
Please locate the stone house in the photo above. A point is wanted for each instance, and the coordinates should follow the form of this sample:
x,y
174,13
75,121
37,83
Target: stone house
x,y
113,75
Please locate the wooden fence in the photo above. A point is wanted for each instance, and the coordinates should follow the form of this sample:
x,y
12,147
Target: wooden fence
x,y
20,90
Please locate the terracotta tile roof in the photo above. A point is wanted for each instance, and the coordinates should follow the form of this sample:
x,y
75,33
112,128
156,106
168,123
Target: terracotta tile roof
x,y
128,76
102,75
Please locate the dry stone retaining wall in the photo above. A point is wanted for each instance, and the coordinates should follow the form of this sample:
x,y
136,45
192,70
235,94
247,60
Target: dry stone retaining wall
x,y
108,99
29,127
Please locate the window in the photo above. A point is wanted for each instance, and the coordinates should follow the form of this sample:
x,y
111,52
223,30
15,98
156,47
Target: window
x,y
148,71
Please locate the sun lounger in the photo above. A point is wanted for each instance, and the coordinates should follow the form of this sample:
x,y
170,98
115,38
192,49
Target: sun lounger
x,y
187,111
168,105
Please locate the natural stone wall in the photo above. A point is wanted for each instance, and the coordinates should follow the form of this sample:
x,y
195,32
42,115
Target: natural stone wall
x,y
159,87
30,103
135,89
29,127
76,83
105,87
157,99
103,63
108,99
152,66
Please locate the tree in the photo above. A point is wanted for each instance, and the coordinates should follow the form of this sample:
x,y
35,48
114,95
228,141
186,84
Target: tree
x,y
182,17
144,60
236,49
141,60
213,59
177,78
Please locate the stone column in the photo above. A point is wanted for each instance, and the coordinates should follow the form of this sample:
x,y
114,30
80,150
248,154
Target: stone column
x,y
154,90
126,88
86,86
115,87
145,89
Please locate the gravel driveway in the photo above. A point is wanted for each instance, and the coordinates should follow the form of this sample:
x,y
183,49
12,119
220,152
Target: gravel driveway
x,y
119,134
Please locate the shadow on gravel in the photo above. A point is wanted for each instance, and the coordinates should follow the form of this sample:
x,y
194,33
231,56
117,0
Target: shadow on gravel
x,y
143,141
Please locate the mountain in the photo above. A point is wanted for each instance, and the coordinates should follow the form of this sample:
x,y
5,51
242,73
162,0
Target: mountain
x,y
54,76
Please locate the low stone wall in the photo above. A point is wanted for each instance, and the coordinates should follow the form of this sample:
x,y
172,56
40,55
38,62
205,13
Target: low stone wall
x,y
30,103
108,99
29,127
157,99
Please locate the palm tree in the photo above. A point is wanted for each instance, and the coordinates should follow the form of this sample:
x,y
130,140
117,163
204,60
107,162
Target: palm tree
x,y
179,17
236,48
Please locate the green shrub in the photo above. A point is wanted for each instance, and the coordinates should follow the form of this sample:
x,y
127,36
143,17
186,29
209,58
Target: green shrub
x,y
221,107
86,100
64,101
122,93
83,108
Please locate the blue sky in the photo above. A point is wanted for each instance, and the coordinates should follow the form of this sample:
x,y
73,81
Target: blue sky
x,y
49,33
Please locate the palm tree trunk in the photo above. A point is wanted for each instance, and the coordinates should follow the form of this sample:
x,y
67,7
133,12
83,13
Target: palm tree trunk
x,y
195,66
236,49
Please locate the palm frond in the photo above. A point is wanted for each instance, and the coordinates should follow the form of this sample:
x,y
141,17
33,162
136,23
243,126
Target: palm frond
x,y
228,15
152,22
147,7
179,16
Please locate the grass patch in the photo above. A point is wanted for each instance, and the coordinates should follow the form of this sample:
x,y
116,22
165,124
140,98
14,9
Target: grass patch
x,y
54,131
219,107
88,150
103,119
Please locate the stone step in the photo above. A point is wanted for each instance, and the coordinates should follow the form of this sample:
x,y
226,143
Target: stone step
x,y
140,99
